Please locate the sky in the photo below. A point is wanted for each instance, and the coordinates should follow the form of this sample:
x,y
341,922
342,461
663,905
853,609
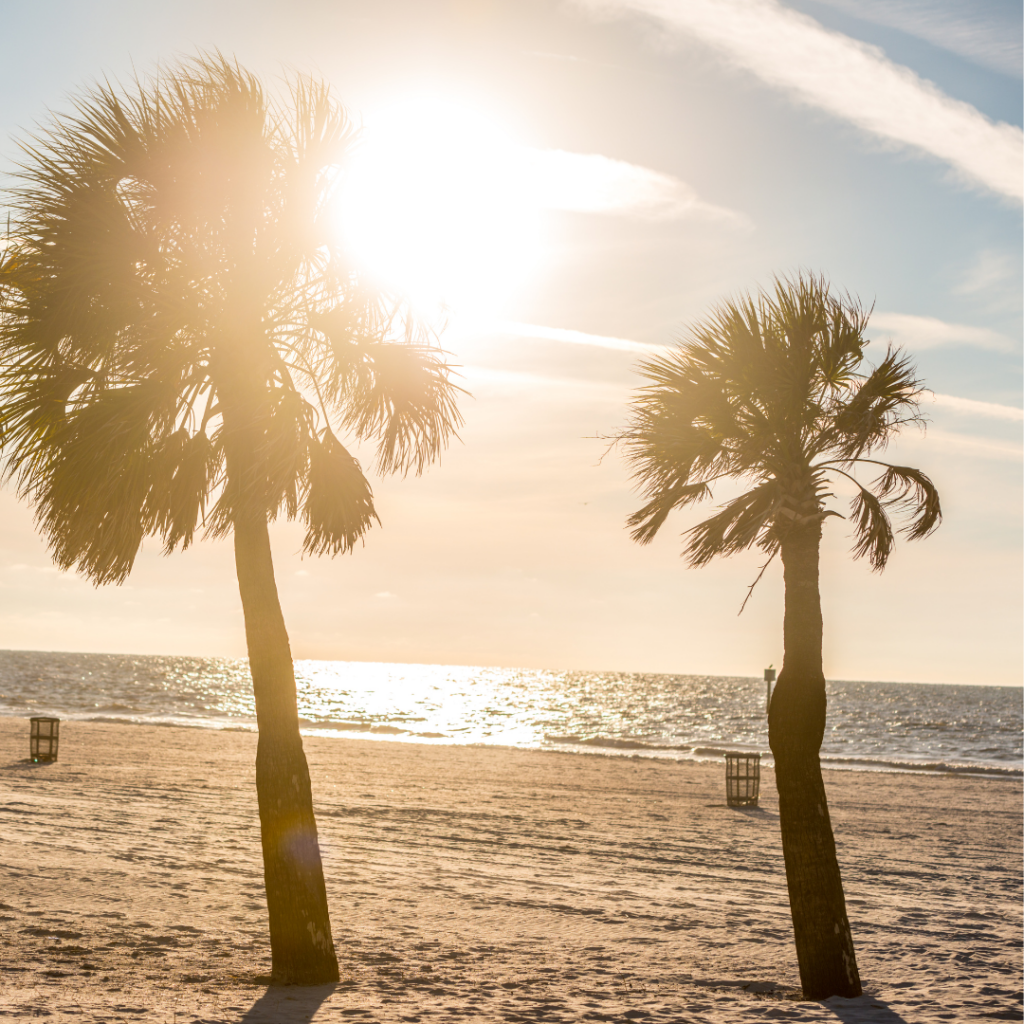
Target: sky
x,y
579,181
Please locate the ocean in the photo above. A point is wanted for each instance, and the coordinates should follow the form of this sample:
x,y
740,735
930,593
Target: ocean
x,y
872,726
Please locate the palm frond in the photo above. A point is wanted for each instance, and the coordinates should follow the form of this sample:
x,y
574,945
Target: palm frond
x,y
911,493
338,508
402,397
679,438
646,522
745,521
89,486
285,450
185,468
873,530
887,397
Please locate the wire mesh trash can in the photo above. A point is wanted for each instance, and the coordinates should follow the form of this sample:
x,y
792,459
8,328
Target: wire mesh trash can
x,y
742,779
44,736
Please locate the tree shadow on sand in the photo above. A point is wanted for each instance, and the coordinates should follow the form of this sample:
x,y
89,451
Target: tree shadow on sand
x,y
862,1009
288,1004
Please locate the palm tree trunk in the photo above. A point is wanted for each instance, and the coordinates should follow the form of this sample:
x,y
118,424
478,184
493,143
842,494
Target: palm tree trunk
x,y
300,928
796,725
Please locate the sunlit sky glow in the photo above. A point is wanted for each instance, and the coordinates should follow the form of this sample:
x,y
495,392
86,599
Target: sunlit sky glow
x,y
442,203
572,182
433,206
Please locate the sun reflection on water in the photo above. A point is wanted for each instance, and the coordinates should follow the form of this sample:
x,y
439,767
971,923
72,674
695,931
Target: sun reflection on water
x,y
869,724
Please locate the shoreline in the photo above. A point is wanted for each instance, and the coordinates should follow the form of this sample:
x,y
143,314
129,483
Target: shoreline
x,y
484,883
704,754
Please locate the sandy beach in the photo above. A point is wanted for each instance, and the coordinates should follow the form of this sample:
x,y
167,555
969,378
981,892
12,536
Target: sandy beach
x,y
486,884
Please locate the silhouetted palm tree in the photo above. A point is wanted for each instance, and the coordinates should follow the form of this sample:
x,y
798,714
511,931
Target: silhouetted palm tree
x,y
182,341
769,390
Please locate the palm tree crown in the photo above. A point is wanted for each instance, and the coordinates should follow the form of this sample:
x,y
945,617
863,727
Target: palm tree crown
x,y
183,337
770,389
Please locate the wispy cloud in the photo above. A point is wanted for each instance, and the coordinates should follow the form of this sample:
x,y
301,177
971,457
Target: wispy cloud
x,y
986,34
533,384
952,403
987,410
990,269
913,332
847,78
518,330
975,447
993,280
591,183
922,332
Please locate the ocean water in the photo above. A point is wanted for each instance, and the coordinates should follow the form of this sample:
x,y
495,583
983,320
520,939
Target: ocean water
x,y
870,726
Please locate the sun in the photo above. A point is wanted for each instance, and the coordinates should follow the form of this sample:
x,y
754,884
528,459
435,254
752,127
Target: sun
x,y
431,206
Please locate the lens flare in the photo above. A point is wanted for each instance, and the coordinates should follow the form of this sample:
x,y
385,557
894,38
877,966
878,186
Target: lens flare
x,y
432,207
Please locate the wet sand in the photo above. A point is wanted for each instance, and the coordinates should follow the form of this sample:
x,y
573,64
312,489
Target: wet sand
x,y
486,884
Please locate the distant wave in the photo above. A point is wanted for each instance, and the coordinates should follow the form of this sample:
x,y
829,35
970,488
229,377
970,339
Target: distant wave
x,y
164,721
614,743
827,761
611,743
935,767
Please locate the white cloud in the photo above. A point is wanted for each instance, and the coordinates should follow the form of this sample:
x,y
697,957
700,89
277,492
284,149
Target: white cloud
x,y
532,384
927,326
986,34
993,278
847,78
921,332
971,407
976,447
519,330
913,332
591,183
990,269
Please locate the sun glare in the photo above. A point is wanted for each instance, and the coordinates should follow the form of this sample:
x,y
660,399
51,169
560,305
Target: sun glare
x,y
431,207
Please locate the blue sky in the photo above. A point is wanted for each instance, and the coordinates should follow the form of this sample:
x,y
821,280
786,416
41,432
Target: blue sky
x,y
682,152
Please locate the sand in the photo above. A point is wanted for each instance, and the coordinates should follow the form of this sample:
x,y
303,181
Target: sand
x,y
486,884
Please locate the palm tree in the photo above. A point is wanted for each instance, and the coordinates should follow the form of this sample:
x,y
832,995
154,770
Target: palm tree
x,y
182,340
769,390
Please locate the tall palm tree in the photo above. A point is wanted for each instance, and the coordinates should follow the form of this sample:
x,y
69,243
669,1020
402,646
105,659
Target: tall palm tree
x,y
770,390
182,340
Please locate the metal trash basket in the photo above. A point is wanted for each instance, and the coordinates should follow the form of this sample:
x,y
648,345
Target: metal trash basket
x,y
742,779
44,735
